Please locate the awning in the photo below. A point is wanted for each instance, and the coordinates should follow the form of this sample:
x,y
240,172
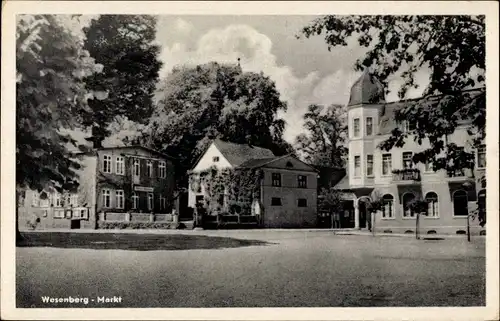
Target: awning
x,y
470,188
416,189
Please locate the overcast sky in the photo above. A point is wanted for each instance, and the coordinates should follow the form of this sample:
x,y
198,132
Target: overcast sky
x,y
304,70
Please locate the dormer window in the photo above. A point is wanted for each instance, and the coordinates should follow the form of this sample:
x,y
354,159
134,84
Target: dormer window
x,y
289,164
215,159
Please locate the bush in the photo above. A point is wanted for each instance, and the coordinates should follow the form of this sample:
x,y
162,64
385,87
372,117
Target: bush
x,y
135,225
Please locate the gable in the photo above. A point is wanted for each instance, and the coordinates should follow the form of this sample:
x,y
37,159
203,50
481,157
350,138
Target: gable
x,y
289,162
207,160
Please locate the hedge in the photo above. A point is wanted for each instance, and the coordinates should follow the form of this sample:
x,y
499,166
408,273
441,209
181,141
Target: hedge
x,y
139,225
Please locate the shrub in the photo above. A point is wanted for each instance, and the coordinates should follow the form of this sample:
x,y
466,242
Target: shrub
x,y
431,232
135,225
408,232
483,232
461,232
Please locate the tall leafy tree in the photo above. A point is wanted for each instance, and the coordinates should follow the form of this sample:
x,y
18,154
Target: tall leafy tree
x,y
124,45
50,96
195,104
323,144
451,48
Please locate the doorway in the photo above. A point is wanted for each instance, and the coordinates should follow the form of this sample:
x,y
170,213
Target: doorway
x,y
75,224
362,213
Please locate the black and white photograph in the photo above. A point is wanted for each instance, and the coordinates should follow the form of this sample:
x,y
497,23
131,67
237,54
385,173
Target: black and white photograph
x,y
198,159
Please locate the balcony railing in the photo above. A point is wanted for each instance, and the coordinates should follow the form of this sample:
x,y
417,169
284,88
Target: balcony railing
x,y
407,174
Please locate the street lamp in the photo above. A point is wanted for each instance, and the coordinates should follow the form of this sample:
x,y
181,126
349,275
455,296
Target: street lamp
x,y
467,185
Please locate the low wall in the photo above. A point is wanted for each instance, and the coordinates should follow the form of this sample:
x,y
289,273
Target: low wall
x,y
136,217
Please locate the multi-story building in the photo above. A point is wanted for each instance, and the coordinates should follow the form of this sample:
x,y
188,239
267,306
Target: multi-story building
x,y
450,196
113,180
288,187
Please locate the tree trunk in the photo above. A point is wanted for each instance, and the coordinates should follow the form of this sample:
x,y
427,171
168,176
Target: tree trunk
x,y
373,223
468,228
19,237
417,227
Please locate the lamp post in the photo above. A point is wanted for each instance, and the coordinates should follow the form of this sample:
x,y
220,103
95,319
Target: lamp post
x,y
467,186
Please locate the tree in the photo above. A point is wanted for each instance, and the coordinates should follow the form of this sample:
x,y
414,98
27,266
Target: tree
x,y
452,48
195,104
123,44
50,96
419,207
330,200
374,205
324,143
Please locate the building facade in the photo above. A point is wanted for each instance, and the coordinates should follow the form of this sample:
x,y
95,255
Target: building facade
x,y
393,175
112,180
288,187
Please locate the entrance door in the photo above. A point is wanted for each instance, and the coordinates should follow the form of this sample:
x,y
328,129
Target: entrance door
x,y
75,224
362,214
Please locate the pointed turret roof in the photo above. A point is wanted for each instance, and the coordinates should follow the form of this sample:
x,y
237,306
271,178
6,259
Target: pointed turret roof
x,y
367,90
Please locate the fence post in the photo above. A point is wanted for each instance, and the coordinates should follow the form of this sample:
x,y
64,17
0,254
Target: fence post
x,y
127,217
151,217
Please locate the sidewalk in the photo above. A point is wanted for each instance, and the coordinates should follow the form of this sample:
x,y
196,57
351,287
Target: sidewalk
x,y
197,231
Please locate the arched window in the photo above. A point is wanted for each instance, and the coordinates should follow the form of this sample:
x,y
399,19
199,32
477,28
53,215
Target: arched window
x,y
388,209
460,203
432,204
407,199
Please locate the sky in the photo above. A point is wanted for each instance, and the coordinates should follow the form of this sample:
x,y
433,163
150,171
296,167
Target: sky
x,y
304,71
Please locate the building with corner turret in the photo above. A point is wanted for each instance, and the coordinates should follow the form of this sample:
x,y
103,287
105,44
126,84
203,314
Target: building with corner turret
x,y
450,196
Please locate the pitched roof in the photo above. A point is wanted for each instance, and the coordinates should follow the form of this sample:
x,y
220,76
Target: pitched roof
x,y
257,162
237,154
139,147
387,112
366,90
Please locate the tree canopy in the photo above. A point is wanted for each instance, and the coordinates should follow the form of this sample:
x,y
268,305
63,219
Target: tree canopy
x,y
195,104
50,96
451,48
124,45
323,144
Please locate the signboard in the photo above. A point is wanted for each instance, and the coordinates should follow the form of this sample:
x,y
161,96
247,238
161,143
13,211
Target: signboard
x,y
143,189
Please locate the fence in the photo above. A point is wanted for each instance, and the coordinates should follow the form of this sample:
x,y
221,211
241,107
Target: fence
x,y
137,217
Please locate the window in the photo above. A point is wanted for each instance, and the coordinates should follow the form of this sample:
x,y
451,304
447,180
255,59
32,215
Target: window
x,y
120,199
289,164
150,201
276,179
56,201
369,126
481,201
356,127
59,213
302,181
106,164
137,167
407,126
386,164
35,199
106,198
460,203
215,159
369,165
162,169
302,202
275,201
481,156
135,200
407,160
428,167
163,202
388,209
73,200
357,166
44,199
432,204
120,165
149,168
407,199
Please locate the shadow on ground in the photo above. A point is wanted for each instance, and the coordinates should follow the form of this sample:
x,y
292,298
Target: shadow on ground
x,y
135,242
